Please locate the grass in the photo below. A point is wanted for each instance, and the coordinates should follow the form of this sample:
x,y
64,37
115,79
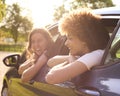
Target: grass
x,y
11,48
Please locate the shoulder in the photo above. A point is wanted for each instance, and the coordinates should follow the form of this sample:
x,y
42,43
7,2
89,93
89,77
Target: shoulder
x,y
98,52
91,59
95,54
92,54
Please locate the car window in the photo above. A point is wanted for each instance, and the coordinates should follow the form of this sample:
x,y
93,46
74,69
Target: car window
x,y
114,51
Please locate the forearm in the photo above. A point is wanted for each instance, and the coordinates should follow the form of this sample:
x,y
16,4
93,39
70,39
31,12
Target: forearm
x,y
24,66
57,60
64,73
29,73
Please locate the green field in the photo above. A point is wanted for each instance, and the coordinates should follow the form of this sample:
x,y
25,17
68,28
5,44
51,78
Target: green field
x,y
11,48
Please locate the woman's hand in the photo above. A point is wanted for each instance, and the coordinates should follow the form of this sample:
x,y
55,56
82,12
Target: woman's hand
x,y
30,72
71,58
25,65
35,57
43,54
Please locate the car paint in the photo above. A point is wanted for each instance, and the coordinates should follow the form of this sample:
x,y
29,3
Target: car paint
x,y
17,88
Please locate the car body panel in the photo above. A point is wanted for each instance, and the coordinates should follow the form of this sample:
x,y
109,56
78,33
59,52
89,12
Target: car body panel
x,y
104,79
18,88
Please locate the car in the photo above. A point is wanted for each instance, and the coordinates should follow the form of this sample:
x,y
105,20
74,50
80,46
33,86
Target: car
x,y
102,80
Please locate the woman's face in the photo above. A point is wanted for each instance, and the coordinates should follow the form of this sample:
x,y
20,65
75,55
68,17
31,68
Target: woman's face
x,y
38,43
75,45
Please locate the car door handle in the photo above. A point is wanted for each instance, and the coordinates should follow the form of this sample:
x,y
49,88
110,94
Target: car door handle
x,y
87,91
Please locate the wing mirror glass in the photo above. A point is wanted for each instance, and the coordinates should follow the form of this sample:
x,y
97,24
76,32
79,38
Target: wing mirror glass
x,y
12,60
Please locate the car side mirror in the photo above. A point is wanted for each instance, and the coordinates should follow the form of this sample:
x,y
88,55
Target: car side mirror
x,y
12,60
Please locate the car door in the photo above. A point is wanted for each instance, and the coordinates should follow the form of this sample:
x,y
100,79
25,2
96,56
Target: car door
x,y
18,88
104,80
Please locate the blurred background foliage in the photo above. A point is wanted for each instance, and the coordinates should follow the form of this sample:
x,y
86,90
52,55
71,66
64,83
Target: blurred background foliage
x,y
2,9
75,4
14,28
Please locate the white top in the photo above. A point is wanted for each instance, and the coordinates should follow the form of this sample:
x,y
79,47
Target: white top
x,y
91,59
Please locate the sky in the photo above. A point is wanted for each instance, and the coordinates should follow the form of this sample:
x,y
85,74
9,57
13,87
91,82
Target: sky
x,y
41,11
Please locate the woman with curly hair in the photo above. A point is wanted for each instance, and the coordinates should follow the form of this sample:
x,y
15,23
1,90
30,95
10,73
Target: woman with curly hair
x,y
86,40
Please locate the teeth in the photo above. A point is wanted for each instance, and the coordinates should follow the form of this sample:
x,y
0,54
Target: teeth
x,y
37,49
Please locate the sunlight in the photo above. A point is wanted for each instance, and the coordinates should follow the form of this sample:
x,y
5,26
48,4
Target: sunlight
x,y
116,2
41,11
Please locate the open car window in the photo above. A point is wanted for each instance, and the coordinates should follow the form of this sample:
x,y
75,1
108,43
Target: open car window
x,y
114,50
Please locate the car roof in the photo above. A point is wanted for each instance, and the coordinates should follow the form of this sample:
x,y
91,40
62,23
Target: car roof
x,y
113,11
109,13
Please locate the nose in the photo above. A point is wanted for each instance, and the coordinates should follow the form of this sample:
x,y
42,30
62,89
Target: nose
x,y
36,45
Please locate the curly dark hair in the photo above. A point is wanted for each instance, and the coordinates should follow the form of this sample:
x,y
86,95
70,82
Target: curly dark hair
x,y
86,26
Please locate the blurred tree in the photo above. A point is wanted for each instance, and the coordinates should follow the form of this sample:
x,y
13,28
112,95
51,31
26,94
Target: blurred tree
x,y
59,11
75,4
2,9
15,23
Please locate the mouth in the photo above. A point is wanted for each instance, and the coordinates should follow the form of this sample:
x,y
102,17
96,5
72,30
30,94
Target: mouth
x,y
69,48
37,50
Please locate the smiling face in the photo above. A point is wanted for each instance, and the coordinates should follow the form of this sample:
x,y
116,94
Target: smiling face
x,y
76,46
38,43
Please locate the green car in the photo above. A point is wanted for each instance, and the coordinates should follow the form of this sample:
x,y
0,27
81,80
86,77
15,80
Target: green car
x,y
102,80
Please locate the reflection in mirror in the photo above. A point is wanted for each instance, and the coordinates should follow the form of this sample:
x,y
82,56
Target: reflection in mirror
x,y
11,60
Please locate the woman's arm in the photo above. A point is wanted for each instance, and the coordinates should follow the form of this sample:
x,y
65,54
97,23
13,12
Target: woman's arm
x,y
65,72
59,73
29,73
24,66
57,60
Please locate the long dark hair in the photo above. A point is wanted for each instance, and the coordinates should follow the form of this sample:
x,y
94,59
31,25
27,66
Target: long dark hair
x,y
44,32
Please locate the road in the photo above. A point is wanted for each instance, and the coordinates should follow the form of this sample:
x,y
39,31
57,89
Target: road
x,y
3,68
